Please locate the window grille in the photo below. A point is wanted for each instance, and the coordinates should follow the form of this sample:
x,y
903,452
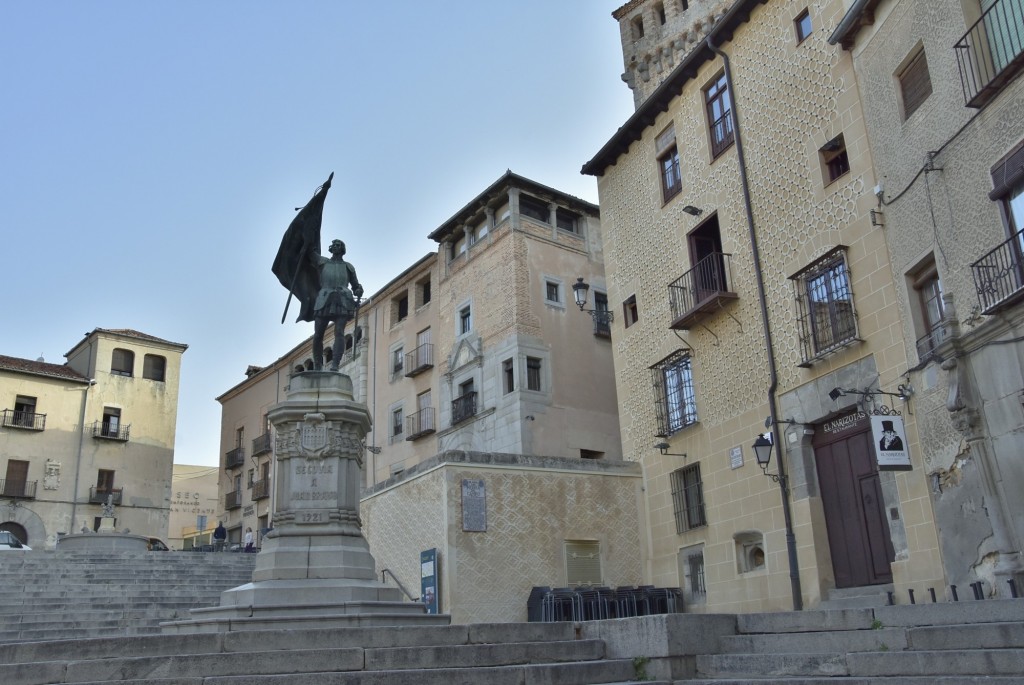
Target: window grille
x,y
673,393
825,315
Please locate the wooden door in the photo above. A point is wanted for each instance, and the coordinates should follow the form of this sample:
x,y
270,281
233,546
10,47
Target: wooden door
x,y
17,477
851,495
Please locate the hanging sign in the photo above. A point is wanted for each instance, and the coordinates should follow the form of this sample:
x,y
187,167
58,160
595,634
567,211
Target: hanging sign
x,y
890,441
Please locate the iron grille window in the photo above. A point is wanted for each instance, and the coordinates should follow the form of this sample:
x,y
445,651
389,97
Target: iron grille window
x,y
688,498
719,115
695,576
673,393
825,314
396,422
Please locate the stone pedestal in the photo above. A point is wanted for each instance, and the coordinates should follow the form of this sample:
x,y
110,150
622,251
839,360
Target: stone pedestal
x,y
315,568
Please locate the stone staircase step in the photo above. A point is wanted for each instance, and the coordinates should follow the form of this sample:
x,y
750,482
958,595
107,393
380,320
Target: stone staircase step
x,y
897,680
977,635
1008,662
732,666
894,639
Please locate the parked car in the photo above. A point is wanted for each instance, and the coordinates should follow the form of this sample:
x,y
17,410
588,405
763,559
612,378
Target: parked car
x,y
158,545
9,540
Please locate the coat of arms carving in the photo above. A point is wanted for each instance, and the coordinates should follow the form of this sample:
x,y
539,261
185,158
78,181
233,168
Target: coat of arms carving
x,y
313,435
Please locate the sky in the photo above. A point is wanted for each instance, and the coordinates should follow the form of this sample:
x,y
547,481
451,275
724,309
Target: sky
x,y
153,153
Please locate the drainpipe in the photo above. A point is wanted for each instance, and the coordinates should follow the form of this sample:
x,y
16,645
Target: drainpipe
x,y
794,567
81,445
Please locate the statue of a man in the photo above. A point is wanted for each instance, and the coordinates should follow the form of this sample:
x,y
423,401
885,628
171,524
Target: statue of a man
x,y
321,284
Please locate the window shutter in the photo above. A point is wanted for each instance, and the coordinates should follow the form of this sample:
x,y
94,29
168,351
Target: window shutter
x,y
915,84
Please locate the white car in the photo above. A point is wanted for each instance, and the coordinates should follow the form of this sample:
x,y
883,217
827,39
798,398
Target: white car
x,y
9,540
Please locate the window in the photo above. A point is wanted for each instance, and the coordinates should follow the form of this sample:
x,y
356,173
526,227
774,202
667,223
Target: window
x,y
508,376
154,367
399,308
582,562
122,362
464,406
465,320
567,221
749,551
834,160
251,478
915,83
397,362
553,292
240,437
24,411
688,498
691,574
929,309
16,482
637,27
802,23
533,373
590,454
534,208
674,396
602,318
825,314
423,292
111,422
396,422
667,155
630,313
719,109
104,482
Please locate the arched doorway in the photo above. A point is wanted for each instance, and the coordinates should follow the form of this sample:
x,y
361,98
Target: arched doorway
x,y
18,530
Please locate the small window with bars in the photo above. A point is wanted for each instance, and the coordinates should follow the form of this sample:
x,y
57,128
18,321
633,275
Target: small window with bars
x,y
691,574
674,396
667,153
688,498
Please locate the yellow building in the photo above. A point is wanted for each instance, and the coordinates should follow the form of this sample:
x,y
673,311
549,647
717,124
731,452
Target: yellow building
x,y
194,506
99,427
495,435
755,287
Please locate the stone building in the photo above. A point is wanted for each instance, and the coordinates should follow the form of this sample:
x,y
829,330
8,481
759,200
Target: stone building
x,y
943,106
194,505
99,426
754,285
495,435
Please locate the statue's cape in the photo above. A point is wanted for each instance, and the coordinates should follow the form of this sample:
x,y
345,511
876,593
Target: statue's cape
x,y
294,264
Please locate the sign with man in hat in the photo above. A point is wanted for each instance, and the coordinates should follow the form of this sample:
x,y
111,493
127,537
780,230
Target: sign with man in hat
x,y
890,441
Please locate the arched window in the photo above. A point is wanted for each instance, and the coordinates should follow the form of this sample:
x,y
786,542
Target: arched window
x,y
122,362
154,367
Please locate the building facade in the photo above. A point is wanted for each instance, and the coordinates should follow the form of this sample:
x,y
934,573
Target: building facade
x,y
194,506
943,99
476,365
755,288
100,427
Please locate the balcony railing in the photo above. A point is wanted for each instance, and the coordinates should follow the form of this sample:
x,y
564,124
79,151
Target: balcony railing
x,y
463,407
602,323
991,53
110,431
419,360
999,275
234,458
12,418
927,343
721,134
261,444
703,289
233,500
18,489
419,424
261,489
99,495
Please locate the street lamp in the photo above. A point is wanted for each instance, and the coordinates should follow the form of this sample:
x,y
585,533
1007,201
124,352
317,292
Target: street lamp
x,y
763,453
580,291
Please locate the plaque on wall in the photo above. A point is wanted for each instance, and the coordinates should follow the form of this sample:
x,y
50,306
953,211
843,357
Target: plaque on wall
x,y
474,505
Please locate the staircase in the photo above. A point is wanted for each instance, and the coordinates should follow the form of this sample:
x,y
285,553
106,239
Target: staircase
x,y
54,595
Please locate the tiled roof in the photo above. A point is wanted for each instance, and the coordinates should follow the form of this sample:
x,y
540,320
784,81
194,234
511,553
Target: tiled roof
x,y
129,333
35,368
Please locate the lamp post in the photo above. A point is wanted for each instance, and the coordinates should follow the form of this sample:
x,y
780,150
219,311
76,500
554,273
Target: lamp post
x,y
602,317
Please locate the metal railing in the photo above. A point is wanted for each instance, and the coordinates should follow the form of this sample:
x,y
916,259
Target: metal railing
x,y
99,495
700,289
234,458
233,500
110,431
13,418
463,407
999,275
991,52
602,323
261,444
419,424
927,343
18,489
420,359
261,489
721,134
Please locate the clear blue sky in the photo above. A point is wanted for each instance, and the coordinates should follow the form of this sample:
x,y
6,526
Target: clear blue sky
x,y
153,154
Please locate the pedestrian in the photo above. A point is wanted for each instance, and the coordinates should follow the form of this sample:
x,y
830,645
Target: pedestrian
x,y
249,541
220,536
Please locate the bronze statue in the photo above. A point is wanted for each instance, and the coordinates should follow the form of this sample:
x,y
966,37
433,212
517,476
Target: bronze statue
x,y
321,284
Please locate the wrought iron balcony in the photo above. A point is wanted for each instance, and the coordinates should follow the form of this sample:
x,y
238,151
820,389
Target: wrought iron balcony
x,y
234,458
999,275
12,418
927,343
419,424
99,495
110,431
419,360
233,500
703,289
463,407
18,489
261,489
991,53
602,323
722,134
261,444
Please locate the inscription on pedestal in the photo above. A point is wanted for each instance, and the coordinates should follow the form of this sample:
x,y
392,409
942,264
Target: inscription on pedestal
x,y
314,484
